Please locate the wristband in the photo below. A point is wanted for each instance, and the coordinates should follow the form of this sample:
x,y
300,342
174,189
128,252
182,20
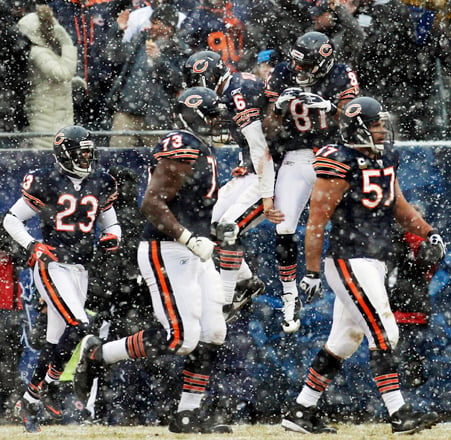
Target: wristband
x,y
185,236
432,232
312,274
30,245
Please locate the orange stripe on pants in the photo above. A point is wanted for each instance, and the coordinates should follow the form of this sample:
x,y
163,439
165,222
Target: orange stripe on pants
x,y
355,291
169,306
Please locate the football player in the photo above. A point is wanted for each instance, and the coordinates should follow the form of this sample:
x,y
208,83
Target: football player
x,y
71,200
357,190
308,92
247,198
174,258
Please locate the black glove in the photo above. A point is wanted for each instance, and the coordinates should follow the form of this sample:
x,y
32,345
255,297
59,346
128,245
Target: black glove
x,y
436,240
428,254
311,285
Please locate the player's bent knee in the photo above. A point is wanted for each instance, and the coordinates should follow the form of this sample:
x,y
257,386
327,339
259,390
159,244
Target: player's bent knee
x,y
393,337
284,229
345,347
184,350
216,336
189,343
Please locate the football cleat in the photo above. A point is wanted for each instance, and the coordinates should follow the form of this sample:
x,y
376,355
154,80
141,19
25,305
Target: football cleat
x,y
291,308
29,414
245,291
88,367
50,399
406,421
306,421
191,422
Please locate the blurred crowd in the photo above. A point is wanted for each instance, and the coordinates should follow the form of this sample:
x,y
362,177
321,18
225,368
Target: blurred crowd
x,y
118,64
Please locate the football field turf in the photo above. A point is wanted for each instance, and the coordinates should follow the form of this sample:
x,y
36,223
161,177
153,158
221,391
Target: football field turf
x,y
441,431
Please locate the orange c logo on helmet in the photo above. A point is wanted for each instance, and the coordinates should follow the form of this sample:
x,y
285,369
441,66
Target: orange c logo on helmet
x,y
200,66
193,101
326,50
353,110
59,139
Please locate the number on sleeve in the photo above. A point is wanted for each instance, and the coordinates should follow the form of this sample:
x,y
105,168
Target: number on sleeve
x,y
326,150
27,182
212,162
174,141
353,78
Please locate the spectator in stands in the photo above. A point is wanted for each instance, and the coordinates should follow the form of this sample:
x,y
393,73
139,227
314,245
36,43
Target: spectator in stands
x,y
51,71
11,324
144,93
14,52
88,22
387,60
266,61
335,18
275,24
428,116
130,22
212,26
414,262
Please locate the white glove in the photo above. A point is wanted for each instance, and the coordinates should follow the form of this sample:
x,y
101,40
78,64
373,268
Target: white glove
x,y
312,100
200,246
281,105
311,285
436,239
227,233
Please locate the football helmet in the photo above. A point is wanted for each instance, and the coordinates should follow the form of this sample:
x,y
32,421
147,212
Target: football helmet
x,y
199,110
311,58
74,151
355,121
205,69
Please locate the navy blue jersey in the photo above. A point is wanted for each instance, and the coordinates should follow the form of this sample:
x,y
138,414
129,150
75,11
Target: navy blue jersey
x,y
362,222
193,204
246,102
310,128
68,211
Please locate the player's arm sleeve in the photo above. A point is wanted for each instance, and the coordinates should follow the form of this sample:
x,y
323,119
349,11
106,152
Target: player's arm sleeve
x,y
108,223
14,222
328,166
261,157
112,192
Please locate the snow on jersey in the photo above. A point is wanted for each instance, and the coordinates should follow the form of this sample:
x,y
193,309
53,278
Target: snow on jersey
x,y
362,222
193,204
304,127
68,211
